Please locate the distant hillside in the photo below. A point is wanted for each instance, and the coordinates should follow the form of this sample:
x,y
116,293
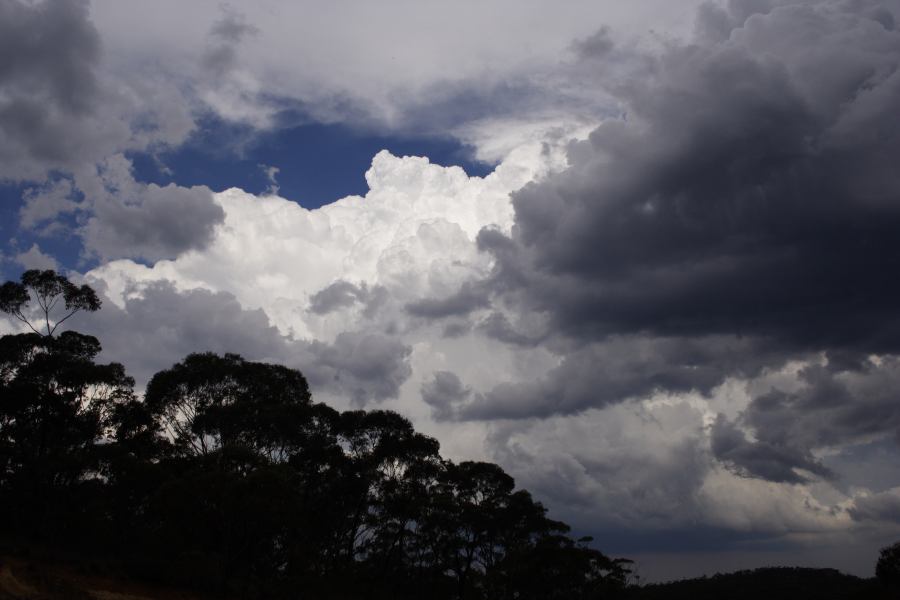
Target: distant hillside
x,y
768,584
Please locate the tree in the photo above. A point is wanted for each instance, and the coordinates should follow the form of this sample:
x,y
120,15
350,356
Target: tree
x,y
887,569
55,406
53,294
209,401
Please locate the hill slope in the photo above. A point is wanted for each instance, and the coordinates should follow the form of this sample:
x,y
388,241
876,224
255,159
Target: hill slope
x,y
769,584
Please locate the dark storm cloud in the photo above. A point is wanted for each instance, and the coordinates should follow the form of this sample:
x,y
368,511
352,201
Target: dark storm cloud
x,y
619,369
750,196
751,190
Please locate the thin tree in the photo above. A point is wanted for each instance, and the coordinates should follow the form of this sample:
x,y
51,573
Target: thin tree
x,y
52,293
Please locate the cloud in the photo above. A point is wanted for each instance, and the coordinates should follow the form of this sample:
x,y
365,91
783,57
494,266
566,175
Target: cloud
x,y
827,407
467,299
33,258
154,325
680,322
227,33
49,83
271,174
58,109
47,202
372,66
334,282
443,393
117,217
137,220
735,198
762,459
619,369
364,367
744,198
881,507
340,294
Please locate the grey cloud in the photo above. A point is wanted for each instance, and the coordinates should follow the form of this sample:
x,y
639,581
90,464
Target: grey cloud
x,y
597,45
61,115
623,368
343,294
884,506
33,258
339,294
468,298
761,459
159,325
443,393
161,223
365,367
46,202
225,36
162,325
747,197
50,90
641,483
49,49
734,199
58,111
497,326
456,329
136,220
833,407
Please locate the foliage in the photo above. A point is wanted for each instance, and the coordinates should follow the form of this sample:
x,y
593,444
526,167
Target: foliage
x,y
887,569
53,294
228,477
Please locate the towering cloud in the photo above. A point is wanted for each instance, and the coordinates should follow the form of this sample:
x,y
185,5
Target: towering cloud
x,y
670,309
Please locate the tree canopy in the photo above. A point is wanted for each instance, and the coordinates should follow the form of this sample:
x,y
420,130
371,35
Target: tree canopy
x,y
56,298
228,477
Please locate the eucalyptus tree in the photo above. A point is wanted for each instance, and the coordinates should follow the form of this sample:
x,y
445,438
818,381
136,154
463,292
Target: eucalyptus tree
x,y
56,404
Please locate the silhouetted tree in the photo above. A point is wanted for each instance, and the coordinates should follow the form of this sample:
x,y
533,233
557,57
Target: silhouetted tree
x,y
52,293
55,407
227,477
887,569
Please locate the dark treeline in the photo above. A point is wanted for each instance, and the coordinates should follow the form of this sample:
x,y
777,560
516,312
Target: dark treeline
x,y
228,478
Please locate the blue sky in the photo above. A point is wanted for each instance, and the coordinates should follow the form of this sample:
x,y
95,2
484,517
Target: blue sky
x,y
318,163
636,253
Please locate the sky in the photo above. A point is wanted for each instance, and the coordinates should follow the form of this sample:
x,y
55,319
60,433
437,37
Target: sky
x,y
643,255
